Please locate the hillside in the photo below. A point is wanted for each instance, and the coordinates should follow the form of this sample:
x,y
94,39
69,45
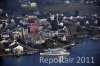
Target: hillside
x,y
82,8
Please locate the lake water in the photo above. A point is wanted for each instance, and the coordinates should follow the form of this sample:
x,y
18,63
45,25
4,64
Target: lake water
x,y
88,48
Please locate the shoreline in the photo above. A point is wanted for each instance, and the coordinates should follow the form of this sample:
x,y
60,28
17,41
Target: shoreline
x,y
37,50
21,54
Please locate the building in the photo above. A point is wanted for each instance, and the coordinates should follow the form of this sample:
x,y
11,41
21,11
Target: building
x,y
27,3
13,43
33,4
17,34
5,35
67,1
18,49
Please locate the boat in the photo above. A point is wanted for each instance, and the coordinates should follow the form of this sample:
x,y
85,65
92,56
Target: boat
x,y
55,52
96,38
73,44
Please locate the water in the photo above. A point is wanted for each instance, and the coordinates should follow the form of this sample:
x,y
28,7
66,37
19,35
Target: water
x,y
89,48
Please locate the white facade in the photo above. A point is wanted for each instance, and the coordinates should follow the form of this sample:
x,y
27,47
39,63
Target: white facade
x,y
87,22
67,1
43,20
61,24
33,4
12,20
71,18
18,49
52,17
78,23
13,43
5,36
7,50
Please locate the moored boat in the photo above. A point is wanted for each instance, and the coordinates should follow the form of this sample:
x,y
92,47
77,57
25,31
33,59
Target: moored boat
x,y
57,51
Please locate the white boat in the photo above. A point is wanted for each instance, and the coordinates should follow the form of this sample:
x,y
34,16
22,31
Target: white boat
x,y
72,44
57,51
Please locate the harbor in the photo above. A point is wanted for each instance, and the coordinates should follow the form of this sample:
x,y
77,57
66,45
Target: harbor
x,y
49,32
79,50
36,51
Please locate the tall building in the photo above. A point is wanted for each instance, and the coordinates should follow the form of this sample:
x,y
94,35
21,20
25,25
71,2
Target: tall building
x,y
33,26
